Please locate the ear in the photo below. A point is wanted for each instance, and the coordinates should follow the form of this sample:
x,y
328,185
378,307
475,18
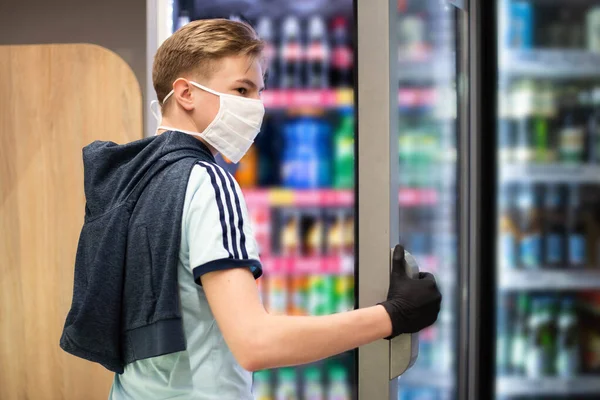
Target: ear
x,y
183,94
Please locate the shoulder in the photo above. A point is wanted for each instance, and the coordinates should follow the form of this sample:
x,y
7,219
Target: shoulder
x,y
209,181
210,174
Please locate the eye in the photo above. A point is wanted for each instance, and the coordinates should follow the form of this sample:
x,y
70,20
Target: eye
x,y
242,90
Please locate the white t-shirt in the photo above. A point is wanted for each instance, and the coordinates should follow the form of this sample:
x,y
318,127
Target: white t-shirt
x,y
216,235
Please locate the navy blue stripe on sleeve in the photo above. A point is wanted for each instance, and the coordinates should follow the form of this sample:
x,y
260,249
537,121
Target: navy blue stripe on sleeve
x,y
227,263
232,227
213,181
240,219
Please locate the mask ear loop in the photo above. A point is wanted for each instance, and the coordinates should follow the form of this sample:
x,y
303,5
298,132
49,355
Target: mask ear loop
x,y
155,110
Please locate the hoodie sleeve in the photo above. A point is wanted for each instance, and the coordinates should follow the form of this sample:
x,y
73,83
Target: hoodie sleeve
x,y
219,233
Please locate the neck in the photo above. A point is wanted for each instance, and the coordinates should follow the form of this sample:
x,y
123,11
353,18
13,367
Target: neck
x,y
185,125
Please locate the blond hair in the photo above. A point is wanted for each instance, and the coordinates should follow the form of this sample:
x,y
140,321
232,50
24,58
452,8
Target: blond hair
x,y
196,46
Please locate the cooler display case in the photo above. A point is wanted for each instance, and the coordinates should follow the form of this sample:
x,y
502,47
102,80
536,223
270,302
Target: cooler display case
x,y
548,266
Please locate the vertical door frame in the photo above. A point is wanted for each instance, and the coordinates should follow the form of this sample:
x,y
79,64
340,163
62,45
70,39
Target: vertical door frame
x,y
477,196
377,178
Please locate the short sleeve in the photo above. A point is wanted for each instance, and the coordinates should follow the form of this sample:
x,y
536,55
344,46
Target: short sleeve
x,y
219,232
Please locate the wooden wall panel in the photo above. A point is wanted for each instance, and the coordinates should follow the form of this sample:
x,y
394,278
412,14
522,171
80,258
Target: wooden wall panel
x,y
54,100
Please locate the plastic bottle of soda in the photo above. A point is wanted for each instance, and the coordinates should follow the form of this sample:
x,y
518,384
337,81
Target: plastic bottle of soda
x,y
264,29
247,171
318,54
315,297
287,388
261,385
313,386
342,54
290,54
297,301
338,384
344,152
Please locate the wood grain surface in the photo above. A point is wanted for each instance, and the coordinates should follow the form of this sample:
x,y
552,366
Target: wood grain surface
x,y
54,100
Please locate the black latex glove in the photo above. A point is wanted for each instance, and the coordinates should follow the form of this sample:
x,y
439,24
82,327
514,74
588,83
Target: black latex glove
x,y
413,304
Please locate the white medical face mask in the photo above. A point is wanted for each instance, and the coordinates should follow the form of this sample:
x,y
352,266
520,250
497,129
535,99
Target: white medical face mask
x,y
235,126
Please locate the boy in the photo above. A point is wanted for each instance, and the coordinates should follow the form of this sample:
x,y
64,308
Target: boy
x,y
190,324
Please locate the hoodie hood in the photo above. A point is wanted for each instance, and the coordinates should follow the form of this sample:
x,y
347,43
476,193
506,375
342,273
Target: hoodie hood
x,y
112,171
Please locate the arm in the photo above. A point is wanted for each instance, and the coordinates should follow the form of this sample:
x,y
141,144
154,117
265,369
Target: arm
x,y
221,244
259,340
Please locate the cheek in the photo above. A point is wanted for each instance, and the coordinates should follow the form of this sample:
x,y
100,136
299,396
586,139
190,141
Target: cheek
x,y
207,111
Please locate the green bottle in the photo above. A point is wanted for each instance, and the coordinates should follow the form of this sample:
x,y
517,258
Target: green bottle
x,y
344,152
568,348
519,337
313,386
262,385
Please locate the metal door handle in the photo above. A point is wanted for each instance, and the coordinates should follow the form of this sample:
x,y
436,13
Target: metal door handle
x,y
404,349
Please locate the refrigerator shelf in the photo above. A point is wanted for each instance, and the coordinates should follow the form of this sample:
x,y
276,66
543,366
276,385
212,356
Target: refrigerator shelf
x,y
327,98
277,99
519,386
329,197
550,173
572,279
550,63
327,265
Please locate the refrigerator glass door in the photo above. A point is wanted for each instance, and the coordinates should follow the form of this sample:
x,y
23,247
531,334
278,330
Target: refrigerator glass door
x,y
427,136
548,206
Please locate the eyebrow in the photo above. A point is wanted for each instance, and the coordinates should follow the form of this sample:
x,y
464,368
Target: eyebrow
x,y
250,83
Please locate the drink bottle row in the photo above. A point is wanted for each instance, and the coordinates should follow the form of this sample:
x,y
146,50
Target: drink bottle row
x,y
328,381
312,232
424,145
549,226
307,294
530,25
314,151
304,152
548,121
315,53
312,53
544,335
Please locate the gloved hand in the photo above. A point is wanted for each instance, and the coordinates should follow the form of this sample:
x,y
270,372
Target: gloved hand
x,y
413,304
